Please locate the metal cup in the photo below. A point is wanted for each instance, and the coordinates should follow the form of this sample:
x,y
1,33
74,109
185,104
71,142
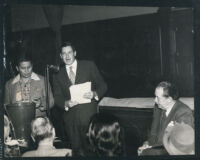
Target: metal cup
x,y
21,115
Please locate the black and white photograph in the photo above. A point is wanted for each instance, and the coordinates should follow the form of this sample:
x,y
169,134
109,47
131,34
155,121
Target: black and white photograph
x,y
99,80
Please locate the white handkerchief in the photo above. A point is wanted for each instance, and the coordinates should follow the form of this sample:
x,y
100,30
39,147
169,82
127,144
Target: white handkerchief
x,y
77,91
171,124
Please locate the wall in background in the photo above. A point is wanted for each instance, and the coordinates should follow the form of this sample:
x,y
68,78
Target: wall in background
x,y
26,17
132,53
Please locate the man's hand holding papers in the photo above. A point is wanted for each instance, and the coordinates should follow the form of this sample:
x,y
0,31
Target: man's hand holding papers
x,y
80,93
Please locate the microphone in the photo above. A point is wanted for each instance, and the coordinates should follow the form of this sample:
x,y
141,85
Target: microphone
x,y
55,68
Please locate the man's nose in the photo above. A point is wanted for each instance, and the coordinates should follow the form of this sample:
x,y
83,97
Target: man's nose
x,y
67,56
26,70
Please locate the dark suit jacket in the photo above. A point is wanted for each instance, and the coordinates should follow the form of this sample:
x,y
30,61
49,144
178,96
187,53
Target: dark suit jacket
x,y
76,120
179,113
86,71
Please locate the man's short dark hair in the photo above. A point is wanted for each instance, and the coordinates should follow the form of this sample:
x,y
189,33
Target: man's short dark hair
x,y
24,58
169,89
66,44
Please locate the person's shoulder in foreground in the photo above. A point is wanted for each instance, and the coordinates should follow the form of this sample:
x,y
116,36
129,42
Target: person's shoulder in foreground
x,y
48,153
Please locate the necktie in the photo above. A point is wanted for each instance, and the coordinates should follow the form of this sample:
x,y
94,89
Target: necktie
x,y
164,115
71,75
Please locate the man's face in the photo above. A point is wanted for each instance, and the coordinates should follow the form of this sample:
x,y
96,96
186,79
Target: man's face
x,y
68,55
25,69
160,100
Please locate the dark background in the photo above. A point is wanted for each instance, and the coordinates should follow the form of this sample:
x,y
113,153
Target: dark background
x,y
132,53
127,50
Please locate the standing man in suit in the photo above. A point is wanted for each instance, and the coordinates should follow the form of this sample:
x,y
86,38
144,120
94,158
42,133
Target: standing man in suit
x,y
77,116
167,112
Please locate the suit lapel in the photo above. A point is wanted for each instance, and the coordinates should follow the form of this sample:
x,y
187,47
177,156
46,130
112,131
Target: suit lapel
x,y
171,114
78,72
64,78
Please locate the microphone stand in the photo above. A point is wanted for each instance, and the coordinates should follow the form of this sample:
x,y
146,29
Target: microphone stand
x,y
47,89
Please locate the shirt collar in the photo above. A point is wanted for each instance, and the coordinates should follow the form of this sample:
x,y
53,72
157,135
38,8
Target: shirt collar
x,y
74,64
169,108
34,76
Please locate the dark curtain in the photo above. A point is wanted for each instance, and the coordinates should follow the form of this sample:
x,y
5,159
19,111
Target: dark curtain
x,y
54,15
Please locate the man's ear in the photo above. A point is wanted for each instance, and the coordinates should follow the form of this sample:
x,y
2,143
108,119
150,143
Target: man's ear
x,y
74,53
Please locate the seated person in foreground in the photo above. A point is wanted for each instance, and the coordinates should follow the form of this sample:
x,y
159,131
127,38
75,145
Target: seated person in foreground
x,y
43,133
168,110
105,135
179,139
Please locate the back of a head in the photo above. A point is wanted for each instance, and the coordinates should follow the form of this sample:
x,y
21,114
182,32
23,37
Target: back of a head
x,y
105,135
41,129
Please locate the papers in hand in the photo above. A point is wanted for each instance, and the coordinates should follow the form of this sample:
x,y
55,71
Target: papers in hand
x,y
77,91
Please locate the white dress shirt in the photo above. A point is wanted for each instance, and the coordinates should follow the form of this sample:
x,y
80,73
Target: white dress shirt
x,y
74,67
169,108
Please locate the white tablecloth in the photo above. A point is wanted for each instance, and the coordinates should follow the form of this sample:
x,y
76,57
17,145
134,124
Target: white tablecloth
x,y
139,102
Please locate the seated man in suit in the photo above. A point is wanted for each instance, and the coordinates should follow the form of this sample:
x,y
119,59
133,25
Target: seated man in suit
x,y
76,116
168,110
43,133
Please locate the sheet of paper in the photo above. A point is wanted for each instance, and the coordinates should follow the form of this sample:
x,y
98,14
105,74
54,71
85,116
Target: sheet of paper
x,y
77,91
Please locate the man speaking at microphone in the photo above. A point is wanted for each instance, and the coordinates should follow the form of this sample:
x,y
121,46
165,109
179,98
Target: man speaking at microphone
x,y
77,116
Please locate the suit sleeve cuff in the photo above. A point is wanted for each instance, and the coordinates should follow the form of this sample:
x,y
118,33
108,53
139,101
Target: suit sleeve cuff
x,y
96,97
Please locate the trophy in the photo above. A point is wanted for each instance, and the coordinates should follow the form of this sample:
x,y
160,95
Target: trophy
x,y
21,114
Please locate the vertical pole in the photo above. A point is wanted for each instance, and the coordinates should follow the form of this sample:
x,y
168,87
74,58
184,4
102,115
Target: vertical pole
x,y
161,52
3,50
2,59
47,89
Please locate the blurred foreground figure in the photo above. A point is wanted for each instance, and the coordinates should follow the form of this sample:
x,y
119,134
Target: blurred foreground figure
x,y
179,139
105,135
43,133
